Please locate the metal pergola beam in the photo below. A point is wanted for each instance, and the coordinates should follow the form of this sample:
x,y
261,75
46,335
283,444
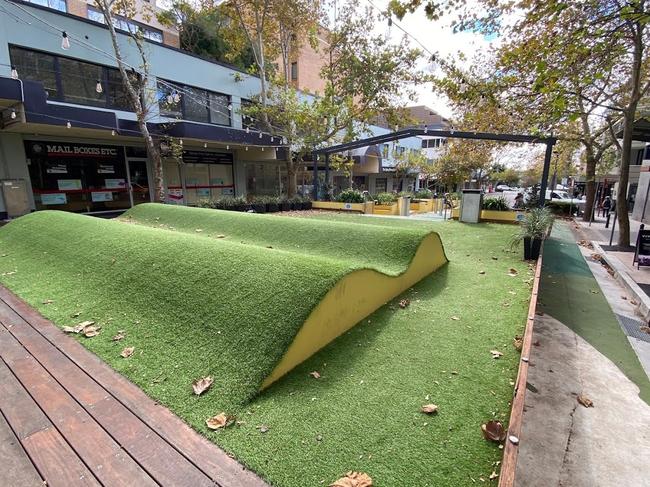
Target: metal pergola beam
x,y
449,134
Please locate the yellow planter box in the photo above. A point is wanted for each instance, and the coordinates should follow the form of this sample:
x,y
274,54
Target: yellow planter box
x,y
386,209
509,216
366,207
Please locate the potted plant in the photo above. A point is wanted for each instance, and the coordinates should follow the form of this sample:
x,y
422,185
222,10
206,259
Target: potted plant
x,y
297,202
533,229
498,203
239,204
350,196
306,203
385,198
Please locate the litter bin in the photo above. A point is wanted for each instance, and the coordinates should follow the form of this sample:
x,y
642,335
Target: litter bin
x,y
470,205
405,205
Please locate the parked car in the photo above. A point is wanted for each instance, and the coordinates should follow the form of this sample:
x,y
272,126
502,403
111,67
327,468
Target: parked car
x,y
563,196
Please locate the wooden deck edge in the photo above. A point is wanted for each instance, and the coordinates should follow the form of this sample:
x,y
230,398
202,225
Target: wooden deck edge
x,y
511,449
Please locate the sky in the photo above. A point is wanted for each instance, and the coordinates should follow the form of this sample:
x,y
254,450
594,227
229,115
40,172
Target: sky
x,y
438,37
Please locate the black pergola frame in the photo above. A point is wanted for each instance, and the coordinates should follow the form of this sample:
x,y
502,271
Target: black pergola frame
x,y
550,141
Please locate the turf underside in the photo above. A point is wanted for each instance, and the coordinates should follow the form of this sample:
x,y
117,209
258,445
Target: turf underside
x,y
363,413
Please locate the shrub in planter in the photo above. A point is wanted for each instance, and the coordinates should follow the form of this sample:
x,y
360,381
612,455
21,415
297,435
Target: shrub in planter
x,y
350,196
424,194
239,204
205,203
296,202
561,207
385,198
285,204
498,203
272,204
306,203
532,231
258,204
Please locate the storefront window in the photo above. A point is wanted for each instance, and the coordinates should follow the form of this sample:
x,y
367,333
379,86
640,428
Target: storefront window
x,y
265,178
195,104
381,185
208,176
79,86
36,66
77,177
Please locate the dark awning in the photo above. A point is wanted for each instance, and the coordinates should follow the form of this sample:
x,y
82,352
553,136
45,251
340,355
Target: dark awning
x,y
640,130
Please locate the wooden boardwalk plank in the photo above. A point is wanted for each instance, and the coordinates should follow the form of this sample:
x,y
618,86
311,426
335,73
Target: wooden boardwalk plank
x,y
167,466
17,468
207,456
106,459
45,446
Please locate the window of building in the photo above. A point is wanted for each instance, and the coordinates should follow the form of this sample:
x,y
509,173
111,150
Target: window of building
x,y
381,184
249,122
294,71
71,80
195,104
59,5
127,25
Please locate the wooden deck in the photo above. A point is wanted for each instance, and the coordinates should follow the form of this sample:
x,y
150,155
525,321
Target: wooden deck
x,y
68,419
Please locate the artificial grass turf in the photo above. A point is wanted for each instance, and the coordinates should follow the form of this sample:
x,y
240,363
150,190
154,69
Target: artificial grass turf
x,y
568,292
228,306
363,414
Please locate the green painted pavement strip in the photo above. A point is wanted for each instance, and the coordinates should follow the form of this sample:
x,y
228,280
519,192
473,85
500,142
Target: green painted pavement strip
x,y
567,294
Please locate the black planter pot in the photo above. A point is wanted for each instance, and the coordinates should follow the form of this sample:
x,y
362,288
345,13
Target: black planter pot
x,y
307,205
240,208
258,207
527,248
272,208
285,206
535,247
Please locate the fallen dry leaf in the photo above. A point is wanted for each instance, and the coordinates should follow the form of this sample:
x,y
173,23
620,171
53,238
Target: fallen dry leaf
x,y
75,314
353,479
120,336
48,301
494,431
496,353
201,385
493,475
220,236
481,272
74,329
455,318
221,420
263,428
512,272
198,230
429,409
127,352
633,302
404,303
585,401
315,374
91,331
518,342
645,329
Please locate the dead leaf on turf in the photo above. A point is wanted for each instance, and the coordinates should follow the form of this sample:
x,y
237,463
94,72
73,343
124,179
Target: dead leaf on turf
x,y
220,236
404,303
74,329
481,272
429,409
585,401
494,475
127,352
198,230
201,385
315,374
512,272
120,336
221,420
494,431
496,353
455,318
353,479
48,301
263,428
518,342
75,314
91,331
645,329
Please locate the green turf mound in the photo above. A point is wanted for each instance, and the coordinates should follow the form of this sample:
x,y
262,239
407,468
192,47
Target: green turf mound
x,y
191,304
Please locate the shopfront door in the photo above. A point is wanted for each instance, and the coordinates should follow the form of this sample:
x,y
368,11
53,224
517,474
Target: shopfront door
x,y
138,181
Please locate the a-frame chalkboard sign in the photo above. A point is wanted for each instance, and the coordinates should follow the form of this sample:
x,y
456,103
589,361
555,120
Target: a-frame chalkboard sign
x,y
642,251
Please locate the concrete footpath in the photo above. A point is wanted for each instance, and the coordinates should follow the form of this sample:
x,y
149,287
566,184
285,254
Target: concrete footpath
x,y
580,347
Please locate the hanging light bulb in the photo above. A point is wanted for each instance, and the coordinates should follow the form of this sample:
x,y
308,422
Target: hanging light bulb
x,y
246,147
227,147
463,86
68,125
65,41
170,99
260,135
248,130
262,149
205,145
113,133
230,107
180,141
14,72
13,114
98,87
176,97
390,21
426,129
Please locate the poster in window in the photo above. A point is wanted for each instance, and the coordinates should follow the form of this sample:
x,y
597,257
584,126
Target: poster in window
x,y
54,199
203,192
175,196
227,191
216,182
69,184
106,169
57,169
115,183
101,196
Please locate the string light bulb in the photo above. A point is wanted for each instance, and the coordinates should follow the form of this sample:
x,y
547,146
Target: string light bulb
x,y
463,86
13,114
262,149
205,145
230,107
113,133
98,87
180,141
68,125
227,147
176,97
426,129
65,41
248,130
246,147
170,99
14,72
260,135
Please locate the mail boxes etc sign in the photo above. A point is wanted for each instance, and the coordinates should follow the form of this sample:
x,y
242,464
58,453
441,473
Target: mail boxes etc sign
x,y
65,150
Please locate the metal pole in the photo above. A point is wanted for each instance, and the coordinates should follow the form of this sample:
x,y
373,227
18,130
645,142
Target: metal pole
x,y
593,203
611,237
547,165
315,179
327,176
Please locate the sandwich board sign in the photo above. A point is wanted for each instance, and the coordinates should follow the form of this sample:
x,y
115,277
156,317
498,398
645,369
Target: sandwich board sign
x,y
642,251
